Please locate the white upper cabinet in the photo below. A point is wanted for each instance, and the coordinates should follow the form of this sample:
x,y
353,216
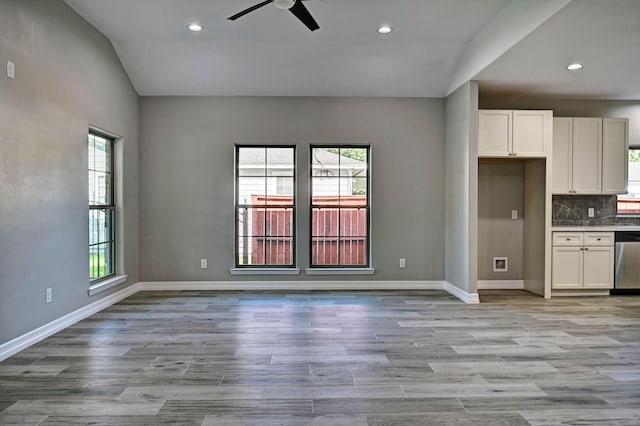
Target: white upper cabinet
x,y
590,155
562,155
587,152
509,133
531,133
615,148
495,138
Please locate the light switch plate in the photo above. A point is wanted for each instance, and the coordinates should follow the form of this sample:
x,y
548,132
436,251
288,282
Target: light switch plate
x,y
514,214
11,69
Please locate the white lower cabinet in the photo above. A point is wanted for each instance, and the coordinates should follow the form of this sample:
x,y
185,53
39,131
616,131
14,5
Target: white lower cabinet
x,y
582,260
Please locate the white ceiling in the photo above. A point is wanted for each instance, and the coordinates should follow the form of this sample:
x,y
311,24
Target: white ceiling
x,y
511,47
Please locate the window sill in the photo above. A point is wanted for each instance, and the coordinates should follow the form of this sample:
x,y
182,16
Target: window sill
x,y
264,271
106,284
339,271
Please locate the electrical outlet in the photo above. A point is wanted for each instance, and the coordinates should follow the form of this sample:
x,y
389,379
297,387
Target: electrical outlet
x,y
592,212
403,263
48,295
514,214
11,69
203,263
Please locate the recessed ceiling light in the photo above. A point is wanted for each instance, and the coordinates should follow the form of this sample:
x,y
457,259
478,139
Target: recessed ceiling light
x,y
195,27
385,29
574,67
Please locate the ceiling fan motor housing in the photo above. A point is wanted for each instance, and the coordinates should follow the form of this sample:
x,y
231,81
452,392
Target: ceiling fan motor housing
x,y
284,4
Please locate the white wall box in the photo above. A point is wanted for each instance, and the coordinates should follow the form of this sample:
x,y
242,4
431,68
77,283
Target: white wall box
x,y
590,155
582,260
514,133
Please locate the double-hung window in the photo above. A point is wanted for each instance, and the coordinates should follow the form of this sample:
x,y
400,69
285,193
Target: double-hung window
x,y
629,203
340,206
102,244
265,206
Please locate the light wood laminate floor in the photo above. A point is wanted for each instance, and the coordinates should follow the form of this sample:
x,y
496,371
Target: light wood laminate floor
x,y
334,358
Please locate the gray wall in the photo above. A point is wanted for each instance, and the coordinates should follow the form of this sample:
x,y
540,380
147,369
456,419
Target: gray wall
x,y
500,190
67,77
187,178
462,188
575,108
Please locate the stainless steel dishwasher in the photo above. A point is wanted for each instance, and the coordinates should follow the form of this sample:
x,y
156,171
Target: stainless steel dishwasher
x,y
627,267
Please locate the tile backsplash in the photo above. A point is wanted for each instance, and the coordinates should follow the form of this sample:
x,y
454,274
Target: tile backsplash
x,y
573,210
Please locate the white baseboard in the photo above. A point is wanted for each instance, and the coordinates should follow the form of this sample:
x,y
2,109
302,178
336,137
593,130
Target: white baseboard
x,y
34,336
290,285
470,298
500,285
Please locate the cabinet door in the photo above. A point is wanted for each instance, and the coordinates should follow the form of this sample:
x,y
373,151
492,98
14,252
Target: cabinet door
x,y
495,133
615,151
531,133
562,162
566,271
587,155
598,267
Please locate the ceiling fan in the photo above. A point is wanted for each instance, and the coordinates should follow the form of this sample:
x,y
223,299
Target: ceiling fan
x,y
294,6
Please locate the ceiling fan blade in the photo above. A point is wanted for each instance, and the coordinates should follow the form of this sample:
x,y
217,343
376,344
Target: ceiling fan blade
x,y
249,10
302,13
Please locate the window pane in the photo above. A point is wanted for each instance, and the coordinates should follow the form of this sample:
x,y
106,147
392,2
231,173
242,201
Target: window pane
x,y
353,222
252,190
101,226
326,191
251,161
324,251
280,161
279,222
102,154
354,192
353,162
324,222
250,251
93,227
284,186
324,162
99,188
353,251
100,260
278,251
91,153
629,203
280,190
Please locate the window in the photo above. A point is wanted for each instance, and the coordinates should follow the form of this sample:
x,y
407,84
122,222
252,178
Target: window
x,y
101,208
629,203
340,206
265,206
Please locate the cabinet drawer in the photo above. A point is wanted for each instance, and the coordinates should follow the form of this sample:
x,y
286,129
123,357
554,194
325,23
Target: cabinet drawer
x,y
599,239
568,239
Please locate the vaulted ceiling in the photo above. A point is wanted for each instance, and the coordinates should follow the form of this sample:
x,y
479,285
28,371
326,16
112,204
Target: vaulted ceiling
x,y
511,47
